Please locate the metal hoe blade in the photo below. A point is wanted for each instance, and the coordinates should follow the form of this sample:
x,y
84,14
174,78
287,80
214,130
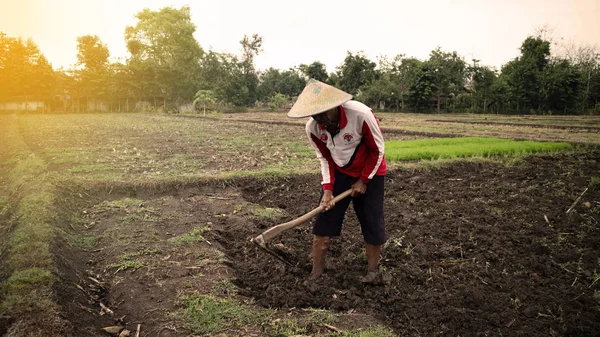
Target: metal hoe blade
x,y
260,242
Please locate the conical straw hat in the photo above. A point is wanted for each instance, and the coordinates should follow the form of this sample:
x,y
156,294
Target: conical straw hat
x,y
317,97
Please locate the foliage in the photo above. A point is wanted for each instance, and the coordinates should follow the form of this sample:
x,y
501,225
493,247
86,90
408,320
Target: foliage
x,y
222,73
560,85
251,47
24,70
482,79
315,70
92,53
92,81
278,101
448,71
355,72
204,98
273,82
422,89
163,49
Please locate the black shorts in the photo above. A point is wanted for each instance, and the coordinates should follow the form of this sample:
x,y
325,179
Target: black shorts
x,y
368,208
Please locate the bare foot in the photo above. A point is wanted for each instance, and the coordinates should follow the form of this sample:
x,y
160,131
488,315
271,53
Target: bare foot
x,y
373,277
312,282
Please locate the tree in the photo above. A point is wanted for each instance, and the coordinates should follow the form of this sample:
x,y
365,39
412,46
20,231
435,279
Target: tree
x,y
500,95
273,81
524,74
162,44
587,59
92,79
251,47
562,83
404,73
92,53
24,70
449,73
204,97
422,90
380,93
394,76
482,80
316,70
278,101
355,72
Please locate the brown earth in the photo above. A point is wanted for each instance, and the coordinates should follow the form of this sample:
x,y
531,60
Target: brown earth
x,y
470,252
542,126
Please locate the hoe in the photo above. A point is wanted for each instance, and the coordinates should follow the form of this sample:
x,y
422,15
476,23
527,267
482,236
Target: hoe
x,y
263,239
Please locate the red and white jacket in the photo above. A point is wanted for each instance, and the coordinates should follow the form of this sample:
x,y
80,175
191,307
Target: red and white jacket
x,y
356,150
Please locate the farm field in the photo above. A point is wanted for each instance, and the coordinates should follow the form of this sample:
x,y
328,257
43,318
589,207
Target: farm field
x,y
144,220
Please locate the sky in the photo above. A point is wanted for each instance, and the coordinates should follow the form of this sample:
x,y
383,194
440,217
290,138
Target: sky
x,y
297,32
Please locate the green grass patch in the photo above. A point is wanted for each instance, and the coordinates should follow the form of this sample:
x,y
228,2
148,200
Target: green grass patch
x,y
31,240
135,217
195,235
283,168
465,147
376,331
267,213
132,261
27,290
240,142
287,327
206,314
4,205
320,316
92,168
127,264
78,221
209,257
84,242
303,150
34,277
116,239
26,295
224,287
594,184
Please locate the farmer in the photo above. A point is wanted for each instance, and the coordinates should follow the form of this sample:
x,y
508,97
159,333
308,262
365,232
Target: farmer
x,y
349,145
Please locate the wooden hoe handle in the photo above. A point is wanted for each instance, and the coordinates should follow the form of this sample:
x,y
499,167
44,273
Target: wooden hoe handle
x,y
276,230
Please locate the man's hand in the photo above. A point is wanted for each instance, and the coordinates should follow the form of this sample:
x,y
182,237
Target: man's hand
x,y
327,200
358,188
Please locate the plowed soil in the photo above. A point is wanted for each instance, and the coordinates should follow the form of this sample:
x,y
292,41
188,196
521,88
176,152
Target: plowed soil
x,y
471,252
475,249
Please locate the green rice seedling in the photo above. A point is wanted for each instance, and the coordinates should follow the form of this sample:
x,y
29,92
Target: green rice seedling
x,y
438,148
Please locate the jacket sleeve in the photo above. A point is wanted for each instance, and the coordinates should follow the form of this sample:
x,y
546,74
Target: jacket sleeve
x,y
324,156
375,146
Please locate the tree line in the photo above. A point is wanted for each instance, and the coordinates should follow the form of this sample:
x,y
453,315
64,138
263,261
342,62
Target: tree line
x,y
167,69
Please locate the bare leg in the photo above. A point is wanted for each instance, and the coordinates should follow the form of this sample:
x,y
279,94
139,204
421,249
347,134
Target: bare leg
x,y
319,249
372,277
373,254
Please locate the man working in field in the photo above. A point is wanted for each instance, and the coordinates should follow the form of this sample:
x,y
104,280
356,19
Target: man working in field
x,y
349,144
